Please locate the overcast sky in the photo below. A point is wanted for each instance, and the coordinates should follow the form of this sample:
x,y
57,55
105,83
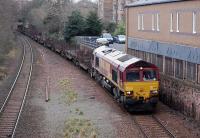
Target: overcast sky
x,y
90,0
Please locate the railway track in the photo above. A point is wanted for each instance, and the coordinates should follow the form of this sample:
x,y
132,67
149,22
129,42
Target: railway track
x,y
11,110
151,127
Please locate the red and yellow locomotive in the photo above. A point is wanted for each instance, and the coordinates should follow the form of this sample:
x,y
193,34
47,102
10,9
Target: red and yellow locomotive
x,y
132,80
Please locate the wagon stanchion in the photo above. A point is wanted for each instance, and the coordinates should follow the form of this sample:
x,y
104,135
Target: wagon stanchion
x,y
47,90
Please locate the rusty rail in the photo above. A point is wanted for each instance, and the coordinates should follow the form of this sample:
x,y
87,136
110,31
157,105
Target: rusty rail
x,y
13,105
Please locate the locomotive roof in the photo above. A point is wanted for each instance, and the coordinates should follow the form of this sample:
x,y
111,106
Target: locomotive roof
x,y
117,58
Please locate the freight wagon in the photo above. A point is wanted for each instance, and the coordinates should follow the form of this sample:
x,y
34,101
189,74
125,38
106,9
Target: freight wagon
x,y
133,82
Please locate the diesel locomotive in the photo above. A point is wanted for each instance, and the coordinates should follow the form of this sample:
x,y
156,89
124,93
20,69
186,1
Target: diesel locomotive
x,y
132,81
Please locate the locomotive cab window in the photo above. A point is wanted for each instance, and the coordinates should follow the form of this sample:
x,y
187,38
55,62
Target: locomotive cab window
x,y
97,62
133,76
114,75
149,75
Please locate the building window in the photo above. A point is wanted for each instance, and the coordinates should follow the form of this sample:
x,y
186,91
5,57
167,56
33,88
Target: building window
x,y
142,22
136,53
194,22
160,62
191,71
153,27
139,22
171,22
148,58
178,68
198,66
169,66
145,56
140,54
177,22
153,58
158,25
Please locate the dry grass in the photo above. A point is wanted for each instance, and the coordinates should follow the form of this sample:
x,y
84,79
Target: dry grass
x,y
12,53
79,128
3,73
69,94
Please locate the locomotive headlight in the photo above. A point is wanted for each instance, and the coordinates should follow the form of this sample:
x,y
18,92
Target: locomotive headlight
x,y
129,93
154,92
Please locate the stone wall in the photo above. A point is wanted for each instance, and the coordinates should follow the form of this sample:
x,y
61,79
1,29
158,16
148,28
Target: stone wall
x,y
181,96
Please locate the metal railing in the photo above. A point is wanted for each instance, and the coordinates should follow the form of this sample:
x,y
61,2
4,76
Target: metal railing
x,y
87,40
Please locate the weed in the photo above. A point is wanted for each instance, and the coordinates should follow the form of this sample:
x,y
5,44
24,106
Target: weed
x,y
69,94
78,127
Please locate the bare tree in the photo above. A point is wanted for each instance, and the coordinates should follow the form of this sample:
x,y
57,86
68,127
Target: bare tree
x,y
7,21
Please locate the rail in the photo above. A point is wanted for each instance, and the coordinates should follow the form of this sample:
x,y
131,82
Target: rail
x,y
13,105
151,127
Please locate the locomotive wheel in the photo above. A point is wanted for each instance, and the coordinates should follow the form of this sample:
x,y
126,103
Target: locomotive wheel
x,y
102,83
77,64
116,93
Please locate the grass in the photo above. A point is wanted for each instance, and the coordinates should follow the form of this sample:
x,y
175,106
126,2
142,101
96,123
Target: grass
x,y
12,53
69,94
3,73
79,128
3,57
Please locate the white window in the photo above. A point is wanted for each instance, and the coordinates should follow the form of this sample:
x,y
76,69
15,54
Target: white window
x,y
142,22
153,27
177,22
194,23
171,22
139,22
158,26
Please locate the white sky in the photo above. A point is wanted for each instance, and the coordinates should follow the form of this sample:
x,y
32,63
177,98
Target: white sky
x,y
80,0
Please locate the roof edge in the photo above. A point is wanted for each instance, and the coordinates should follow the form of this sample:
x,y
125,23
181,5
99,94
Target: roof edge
x,y
138,4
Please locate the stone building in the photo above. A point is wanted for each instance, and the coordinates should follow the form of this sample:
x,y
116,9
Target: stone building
x,y
105,10
167,33
119,9
112,10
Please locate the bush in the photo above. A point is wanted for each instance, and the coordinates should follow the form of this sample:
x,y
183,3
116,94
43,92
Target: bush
x,y
93,24
120,29
75,25
109,27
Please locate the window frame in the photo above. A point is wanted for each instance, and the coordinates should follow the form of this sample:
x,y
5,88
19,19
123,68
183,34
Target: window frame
x,y
158,22
194,24
169,60
160,58
176,62
153,22
177,22
139,24
171,22
194,77
142,21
